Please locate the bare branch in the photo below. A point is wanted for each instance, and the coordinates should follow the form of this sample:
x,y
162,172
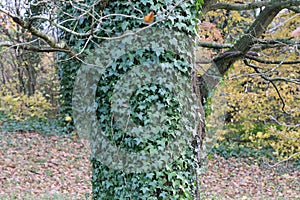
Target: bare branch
x,y
32,48
284,41
272,61
256,69
286,125
261,44
89,34
214,45
47,38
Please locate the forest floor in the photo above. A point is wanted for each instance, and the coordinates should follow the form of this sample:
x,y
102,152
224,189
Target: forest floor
x,y
35,166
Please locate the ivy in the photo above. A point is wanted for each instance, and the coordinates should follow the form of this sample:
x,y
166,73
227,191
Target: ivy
x,y
174,180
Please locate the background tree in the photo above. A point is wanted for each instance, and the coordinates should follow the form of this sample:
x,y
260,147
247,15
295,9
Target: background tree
x,y
262,88
24,74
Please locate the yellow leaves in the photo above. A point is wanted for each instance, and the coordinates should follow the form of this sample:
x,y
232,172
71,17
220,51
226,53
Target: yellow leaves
x,y
236,17
244,198
285,23
220,134
74,135
251,138
68,118
259,134
7,98
287,143
251,100
22,107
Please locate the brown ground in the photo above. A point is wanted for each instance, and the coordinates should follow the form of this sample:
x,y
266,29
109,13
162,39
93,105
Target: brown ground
x,y
33,166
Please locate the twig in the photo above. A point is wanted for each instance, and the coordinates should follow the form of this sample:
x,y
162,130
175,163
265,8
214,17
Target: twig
x,y
267,79
287,159
286,125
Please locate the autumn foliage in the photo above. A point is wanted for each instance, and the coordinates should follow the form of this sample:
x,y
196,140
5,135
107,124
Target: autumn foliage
x,y
259,113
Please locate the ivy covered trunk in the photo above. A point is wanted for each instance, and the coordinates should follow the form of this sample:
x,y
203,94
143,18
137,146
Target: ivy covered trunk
x,y
176,179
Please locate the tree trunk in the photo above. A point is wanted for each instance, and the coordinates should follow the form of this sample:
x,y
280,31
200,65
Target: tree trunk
x,y
174,180
170,178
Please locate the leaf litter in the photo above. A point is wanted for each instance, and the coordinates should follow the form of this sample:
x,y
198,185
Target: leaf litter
x,y
35,166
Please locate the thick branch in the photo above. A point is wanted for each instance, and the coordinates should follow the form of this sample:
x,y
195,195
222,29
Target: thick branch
x,y
207,4
267,43
239,6
248,6
223,62
257,28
